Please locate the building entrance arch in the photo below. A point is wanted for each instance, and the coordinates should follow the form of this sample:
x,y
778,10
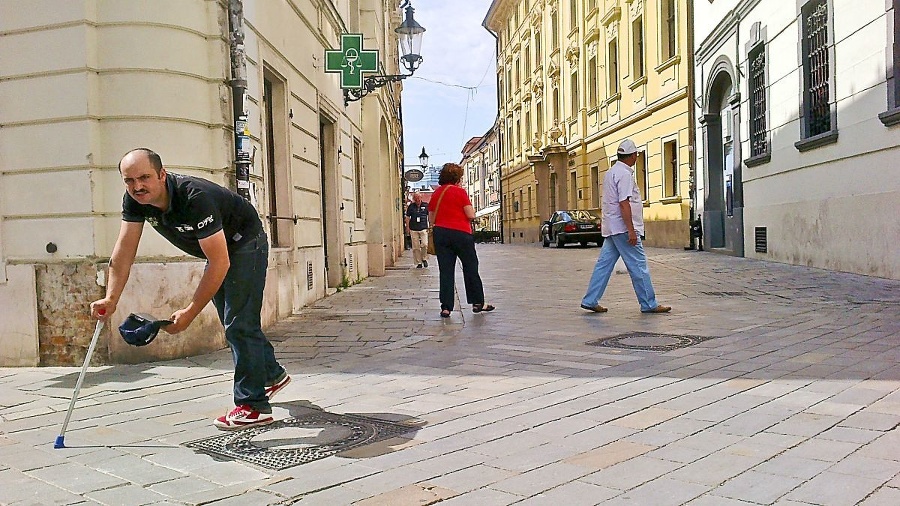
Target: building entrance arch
x,y
723,216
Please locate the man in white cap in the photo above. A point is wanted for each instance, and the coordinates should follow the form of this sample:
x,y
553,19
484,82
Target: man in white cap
x,y
622,226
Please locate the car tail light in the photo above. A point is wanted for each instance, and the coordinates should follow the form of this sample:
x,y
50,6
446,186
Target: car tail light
x,y
570,227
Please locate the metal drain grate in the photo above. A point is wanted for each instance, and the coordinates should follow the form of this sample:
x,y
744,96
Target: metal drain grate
x,y
725,294
294,441
648,341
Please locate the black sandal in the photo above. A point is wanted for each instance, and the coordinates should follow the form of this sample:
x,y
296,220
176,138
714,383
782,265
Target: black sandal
x,y
477,308
445,313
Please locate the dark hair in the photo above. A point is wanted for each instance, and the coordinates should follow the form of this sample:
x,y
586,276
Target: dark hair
x,y
622,157
451,173
155,160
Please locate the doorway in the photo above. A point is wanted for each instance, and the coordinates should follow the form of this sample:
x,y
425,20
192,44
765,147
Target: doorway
x,y
330,201
723,228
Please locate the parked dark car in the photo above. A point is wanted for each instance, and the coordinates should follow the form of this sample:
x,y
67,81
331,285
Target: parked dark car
x,y
571,226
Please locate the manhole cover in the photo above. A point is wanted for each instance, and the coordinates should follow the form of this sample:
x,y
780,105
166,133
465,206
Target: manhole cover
x,y
294,441
648,341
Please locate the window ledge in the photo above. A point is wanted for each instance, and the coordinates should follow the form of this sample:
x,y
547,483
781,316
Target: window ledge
x,y
754,161
646,203
817,141
668,63
638,82
891,117
612,99
671,200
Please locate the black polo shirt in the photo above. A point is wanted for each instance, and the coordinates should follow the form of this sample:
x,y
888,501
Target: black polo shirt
x,y
197,209
418,216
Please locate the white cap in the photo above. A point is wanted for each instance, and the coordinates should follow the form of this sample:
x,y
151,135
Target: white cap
x,y
627,147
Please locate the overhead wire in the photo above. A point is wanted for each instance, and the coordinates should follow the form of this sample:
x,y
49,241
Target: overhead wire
x,y
472,91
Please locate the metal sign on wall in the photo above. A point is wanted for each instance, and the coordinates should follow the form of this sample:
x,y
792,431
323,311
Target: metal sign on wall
x,y
413,175
351,61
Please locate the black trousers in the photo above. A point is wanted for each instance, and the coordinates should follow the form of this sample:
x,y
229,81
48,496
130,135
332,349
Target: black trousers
x,y
449,245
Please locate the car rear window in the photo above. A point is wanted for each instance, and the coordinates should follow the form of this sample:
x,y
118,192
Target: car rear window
x,y
584,215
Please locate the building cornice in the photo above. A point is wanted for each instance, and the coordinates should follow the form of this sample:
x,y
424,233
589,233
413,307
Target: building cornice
x,y
497,14
643,114
725,28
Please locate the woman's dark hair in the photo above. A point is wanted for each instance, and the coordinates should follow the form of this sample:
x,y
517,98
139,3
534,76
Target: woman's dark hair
x,y
451,173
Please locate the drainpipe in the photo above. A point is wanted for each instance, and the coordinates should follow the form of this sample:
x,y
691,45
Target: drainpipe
x,y
694,227
238,85
499,137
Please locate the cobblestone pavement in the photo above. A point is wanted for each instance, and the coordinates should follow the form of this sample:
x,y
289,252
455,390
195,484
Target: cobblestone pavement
x,y
767,384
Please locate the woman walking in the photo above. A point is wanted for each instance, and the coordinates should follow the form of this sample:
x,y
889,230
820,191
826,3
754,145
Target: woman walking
x,y
451,212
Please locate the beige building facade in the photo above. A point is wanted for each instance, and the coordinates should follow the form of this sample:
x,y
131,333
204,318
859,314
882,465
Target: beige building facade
x,y
84,81
575,78
481,161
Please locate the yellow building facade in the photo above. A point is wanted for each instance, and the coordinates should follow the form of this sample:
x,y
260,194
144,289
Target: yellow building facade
x,y
575,78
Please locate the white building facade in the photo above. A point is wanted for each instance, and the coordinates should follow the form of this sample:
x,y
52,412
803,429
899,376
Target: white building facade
x,y
798,131
84,81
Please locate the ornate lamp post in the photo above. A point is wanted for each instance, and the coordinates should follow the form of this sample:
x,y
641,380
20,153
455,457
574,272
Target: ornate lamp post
x,y
410,33
415,175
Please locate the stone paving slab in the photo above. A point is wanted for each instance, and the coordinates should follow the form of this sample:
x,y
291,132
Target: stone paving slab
x,y
793,400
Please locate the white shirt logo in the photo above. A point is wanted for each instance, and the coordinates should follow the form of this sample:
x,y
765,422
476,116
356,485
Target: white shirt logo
x,y
206,221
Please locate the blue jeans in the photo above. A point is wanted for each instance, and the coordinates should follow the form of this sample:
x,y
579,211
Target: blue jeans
x,y
239,303
615,246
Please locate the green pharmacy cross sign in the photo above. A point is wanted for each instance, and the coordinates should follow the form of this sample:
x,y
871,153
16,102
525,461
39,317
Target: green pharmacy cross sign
x,y
351,61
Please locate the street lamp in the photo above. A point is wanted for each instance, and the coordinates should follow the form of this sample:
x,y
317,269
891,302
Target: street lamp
x,y
410,41
417,173
410,33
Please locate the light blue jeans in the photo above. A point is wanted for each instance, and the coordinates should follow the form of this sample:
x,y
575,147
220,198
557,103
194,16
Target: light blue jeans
x,y
635,260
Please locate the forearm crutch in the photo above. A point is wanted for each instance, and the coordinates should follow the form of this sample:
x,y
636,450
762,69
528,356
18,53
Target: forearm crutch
x,y
60,443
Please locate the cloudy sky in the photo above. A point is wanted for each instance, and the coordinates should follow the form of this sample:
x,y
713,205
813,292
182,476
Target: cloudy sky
x,y
458,52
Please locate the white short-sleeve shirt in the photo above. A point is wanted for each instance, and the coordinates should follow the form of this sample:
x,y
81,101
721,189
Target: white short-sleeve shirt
x,y
619,185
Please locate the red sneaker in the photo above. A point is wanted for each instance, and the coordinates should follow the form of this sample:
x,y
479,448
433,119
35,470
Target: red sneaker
x,y
278,386
243,417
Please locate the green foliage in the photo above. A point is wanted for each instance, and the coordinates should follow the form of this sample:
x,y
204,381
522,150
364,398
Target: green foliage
x,y
346,282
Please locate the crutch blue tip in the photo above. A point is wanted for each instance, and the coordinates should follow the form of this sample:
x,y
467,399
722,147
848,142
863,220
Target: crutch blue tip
x,y
59,442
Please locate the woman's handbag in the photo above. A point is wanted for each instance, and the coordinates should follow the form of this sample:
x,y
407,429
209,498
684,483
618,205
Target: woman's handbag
x,y
431,250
